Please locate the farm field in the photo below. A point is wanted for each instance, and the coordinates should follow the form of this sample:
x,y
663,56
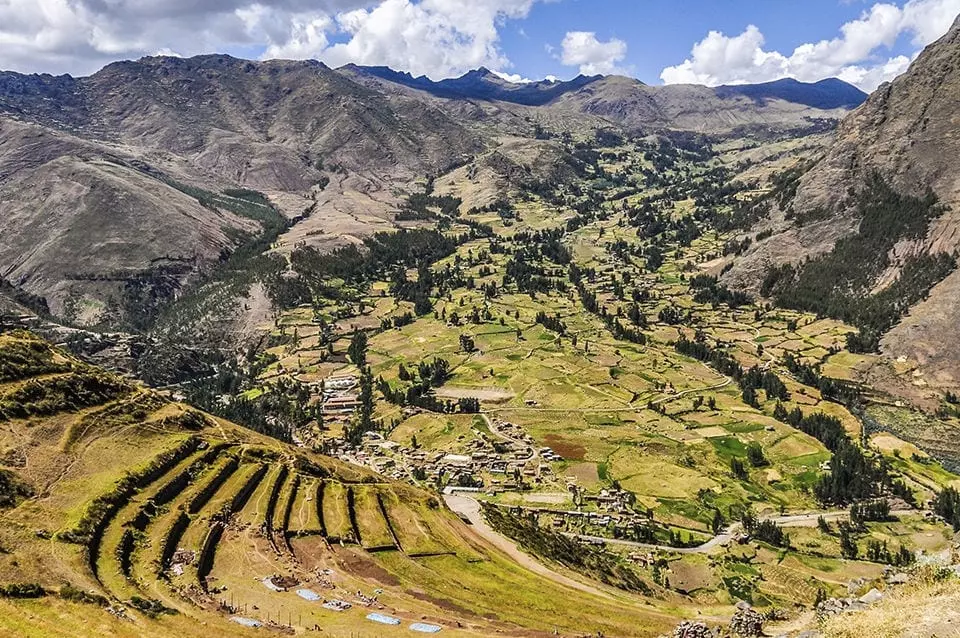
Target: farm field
x,y
571,359
482,420
192,531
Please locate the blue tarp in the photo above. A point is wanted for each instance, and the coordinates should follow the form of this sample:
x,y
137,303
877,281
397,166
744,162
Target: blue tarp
x,y
306,594
383,620
424,628
246,622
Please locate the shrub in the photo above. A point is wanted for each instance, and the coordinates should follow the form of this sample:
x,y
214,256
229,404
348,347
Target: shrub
x,y
22,590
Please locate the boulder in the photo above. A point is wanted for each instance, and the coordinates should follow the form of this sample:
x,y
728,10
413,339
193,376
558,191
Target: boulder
x,y
746,622
693,629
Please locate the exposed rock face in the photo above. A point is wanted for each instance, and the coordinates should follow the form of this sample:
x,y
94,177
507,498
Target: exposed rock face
x,y
86,164
908,131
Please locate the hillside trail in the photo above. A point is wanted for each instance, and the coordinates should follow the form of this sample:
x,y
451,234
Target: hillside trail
x,y
470,508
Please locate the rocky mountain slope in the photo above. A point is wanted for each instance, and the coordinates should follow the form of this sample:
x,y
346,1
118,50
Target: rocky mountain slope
x,y
713,111
112,159
905,134
825,94
112,186
780,105
480,84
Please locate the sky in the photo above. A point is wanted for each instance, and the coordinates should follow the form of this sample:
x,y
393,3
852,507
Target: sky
x,y
657,41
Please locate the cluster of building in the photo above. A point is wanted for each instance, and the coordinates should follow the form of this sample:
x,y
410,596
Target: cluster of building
x,y
506,460
502,459
339,397
616,516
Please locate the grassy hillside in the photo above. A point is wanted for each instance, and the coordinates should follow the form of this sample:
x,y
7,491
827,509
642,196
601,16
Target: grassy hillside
x,y
140,516
573,353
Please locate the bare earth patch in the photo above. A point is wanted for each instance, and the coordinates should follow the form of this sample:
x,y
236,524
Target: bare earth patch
x,y
586,473
567,449
490,395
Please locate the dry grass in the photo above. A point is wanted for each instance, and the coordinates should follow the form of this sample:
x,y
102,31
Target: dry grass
x,y
928,609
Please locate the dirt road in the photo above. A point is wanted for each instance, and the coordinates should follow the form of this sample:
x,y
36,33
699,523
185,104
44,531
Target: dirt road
x,y
470,508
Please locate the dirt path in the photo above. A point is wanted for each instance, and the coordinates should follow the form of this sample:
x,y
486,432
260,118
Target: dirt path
x,y
470,508
679,395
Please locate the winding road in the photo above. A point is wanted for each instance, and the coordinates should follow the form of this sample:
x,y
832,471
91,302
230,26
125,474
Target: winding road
x,y
470,509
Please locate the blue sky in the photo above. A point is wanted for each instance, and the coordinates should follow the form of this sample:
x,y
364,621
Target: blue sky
x,y
658,34
695,41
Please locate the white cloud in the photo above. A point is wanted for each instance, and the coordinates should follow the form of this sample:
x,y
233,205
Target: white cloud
x,y
514,78
438,38
434,37
584,50
721,59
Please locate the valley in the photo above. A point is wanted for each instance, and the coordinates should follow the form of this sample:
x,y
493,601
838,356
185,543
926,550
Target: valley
x,y
288,349
590,418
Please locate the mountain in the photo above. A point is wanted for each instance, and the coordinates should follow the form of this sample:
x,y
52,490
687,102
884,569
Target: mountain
x,y
130,165
777,107
631,102
151,173
825,94
292,113
480,84
902,142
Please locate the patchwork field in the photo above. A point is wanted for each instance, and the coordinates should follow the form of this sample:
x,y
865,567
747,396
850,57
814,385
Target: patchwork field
x,y
213,522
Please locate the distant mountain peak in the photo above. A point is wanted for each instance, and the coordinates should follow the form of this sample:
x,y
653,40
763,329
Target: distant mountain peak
x,y
828,94
479,84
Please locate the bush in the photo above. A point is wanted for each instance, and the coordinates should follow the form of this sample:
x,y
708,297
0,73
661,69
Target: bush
x,y
13,489
77,595
22,590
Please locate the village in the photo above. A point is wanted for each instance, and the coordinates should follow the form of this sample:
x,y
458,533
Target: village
x,y
505,466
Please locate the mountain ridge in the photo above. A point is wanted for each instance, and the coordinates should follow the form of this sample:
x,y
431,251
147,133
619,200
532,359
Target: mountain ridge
x,y
287,129
829,93
903,135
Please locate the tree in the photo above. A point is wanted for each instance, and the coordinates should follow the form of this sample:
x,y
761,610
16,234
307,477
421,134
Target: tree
x,y
750,397
366,398
358,348
469,405
823,525
467,344
755,455
946,505
848,546
739,471
718,522
422,305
